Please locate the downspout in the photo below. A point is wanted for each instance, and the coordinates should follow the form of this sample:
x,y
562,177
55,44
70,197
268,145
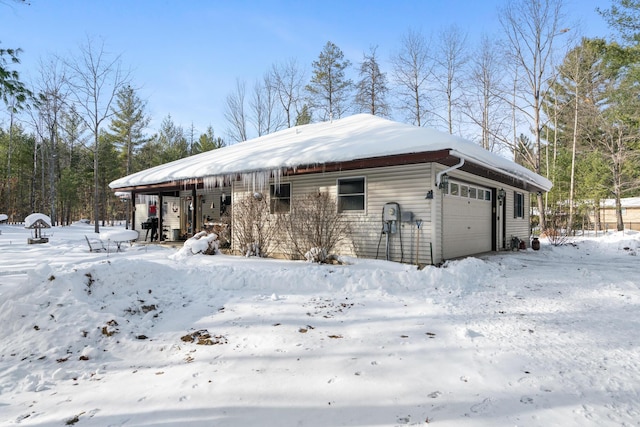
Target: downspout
x,y
439,175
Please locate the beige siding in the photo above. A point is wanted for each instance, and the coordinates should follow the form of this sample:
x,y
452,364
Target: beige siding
x,y
408,186
517,227
405,185
609,220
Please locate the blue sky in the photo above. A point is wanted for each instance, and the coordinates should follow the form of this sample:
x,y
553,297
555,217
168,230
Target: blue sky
x,y
185,56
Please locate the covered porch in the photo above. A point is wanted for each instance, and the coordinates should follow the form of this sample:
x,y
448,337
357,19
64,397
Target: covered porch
x,y
174,213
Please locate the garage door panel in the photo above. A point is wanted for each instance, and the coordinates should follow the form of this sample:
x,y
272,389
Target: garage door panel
x,y
467,226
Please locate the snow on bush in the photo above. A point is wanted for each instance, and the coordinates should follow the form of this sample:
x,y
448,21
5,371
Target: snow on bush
x,y
253,249
316,254
201,243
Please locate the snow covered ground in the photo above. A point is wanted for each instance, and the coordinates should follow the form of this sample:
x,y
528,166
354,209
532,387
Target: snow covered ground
x,y
149,337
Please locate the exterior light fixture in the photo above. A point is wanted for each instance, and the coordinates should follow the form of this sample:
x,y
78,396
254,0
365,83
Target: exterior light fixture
x,y
444,182
501,194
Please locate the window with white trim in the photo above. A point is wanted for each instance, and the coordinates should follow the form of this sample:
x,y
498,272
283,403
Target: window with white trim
x,y
351,194
518,205
280,200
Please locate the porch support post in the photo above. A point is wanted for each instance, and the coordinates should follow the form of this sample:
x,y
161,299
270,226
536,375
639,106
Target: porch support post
x,y
132,204
160,214
194,214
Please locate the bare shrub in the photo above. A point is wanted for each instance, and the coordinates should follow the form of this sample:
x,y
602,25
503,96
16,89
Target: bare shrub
x,y
253,227
556,232
314,222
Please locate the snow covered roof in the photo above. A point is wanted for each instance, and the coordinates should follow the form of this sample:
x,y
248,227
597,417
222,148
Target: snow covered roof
x,y
361,136
3,217
628,202
37,220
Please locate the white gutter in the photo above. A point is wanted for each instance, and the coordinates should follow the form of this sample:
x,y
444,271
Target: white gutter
x,y
439,175
513,173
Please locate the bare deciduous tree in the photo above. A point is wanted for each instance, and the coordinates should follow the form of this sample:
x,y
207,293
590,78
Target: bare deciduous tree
x,y
288,80
51,100
235,113
531,27
450,59
411,72
484,103
95,78
264,105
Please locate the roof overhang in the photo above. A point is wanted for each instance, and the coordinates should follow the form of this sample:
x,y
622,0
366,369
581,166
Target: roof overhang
x,y
444,157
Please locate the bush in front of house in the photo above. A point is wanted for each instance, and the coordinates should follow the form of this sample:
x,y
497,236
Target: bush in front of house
x,y
253,226
314,227
201,243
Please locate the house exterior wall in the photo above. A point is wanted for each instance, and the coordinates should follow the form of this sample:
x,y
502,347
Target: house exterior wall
x,y
408,186
518,227
630,218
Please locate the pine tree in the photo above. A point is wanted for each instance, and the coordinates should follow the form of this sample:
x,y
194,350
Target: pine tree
x,y
128,124
12,91
304,116
624,15
207,142
172,144
329,88
372,89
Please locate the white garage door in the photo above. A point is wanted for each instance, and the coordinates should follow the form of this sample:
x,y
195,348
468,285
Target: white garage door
x,y
467,220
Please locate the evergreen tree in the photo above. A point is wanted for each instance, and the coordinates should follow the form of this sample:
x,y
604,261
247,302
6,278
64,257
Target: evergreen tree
x,y
595,101
127,125
207,142
329,88
12,91
624,16
304,116
171,140
372,89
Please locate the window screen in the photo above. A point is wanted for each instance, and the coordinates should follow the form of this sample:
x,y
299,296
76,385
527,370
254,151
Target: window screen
x,y
518,205
351,194
280,201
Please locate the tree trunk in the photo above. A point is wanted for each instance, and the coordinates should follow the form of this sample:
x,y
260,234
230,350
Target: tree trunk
x,y
96,187
573,162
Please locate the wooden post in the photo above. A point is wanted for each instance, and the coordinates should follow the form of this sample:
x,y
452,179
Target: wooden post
x,y
194,212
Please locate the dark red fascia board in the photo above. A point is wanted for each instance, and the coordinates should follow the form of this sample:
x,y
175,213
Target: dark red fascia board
x,y
441,156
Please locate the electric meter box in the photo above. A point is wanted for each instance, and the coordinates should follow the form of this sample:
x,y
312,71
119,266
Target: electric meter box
x,y
390,212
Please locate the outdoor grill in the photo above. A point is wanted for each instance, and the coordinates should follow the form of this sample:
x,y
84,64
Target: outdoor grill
x,y
151,224
148,224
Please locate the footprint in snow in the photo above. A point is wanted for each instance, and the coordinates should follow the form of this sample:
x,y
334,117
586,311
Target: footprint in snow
x,y
482,406
526,400
473,334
